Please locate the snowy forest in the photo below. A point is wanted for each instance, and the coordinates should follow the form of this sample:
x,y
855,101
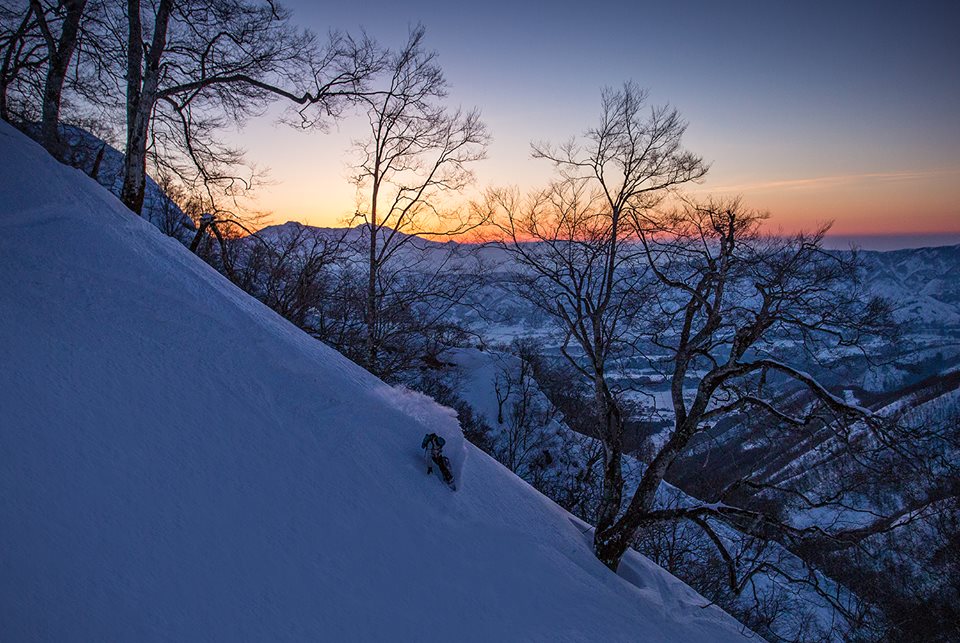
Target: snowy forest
x,y
773,422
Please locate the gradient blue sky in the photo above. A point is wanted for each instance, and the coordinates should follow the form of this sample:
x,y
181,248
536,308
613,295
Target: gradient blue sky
x,y
843,111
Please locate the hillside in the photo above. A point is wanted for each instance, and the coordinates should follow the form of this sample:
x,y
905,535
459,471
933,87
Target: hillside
x,y
104,163
181,463
924,283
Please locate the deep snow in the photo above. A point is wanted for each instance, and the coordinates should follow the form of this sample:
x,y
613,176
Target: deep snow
x,y
178,462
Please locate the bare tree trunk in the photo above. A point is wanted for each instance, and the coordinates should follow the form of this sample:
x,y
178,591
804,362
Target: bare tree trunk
x,y
611,543
198,237
142,84
50,120
224,255
60,54
135,162
372,317
372,304
605,544
95,169
131,158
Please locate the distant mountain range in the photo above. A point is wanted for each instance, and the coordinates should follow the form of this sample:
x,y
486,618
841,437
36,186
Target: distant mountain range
x,y
923,284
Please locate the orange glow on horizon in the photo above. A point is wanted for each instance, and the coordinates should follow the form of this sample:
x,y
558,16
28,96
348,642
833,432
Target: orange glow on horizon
x,y
876,203
869,204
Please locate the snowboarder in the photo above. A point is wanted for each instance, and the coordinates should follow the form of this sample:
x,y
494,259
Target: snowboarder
x,y
435,443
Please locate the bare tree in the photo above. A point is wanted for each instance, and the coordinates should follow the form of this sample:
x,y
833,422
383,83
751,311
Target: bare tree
x,y
183,70
42,44
576,262
523,438
733,306
188,64
418,151
701,283
291,269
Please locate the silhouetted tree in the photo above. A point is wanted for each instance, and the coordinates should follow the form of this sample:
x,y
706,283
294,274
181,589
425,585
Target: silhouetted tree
x,y
733,307
23,58
292,269
572,242
418,151
193,65
40,41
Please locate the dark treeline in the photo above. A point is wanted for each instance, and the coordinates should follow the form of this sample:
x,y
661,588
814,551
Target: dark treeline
x,y
615,255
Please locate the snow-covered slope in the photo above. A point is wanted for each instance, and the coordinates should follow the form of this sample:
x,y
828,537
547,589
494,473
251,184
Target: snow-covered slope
x,y
177,462
99,159
922,283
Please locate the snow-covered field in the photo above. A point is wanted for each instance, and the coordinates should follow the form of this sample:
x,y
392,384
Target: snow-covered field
x,y
177,462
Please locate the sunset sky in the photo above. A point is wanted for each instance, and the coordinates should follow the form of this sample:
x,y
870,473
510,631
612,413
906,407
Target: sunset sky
x,y
843,111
